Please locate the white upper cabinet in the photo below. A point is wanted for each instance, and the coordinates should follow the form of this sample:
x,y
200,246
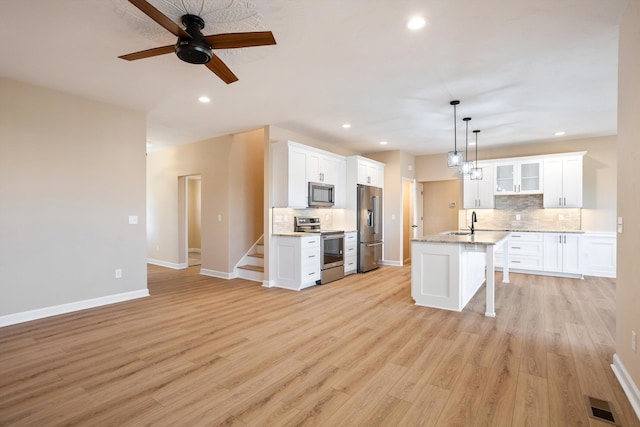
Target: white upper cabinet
x,y
521,176
563,182
370,172
478,194
295,165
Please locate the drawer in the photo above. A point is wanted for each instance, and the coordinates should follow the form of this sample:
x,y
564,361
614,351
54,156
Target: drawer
x,y
522,262
310,273
525,248
349,237
350,251
310,242
526,237
350,265
310,256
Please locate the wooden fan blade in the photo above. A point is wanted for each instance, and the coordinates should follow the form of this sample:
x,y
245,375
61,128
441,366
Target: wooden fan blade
x,y
160,18
149,53
221,70
236,40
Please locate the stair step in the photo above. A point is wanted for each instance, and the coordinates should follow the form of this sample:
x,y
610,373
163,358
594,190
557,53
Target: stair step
x,y
259,248
257,255
252,267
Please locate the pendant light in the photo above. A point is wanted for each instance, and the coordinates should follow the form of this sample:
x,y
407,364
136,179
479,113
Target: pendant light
x,y
476,172
465,166
455,157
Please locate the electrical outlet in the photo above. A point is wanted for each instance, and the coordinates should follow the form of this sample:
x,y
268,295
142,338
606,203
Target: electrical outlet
x,y
133,219
634,340
518,217
118,273
560,217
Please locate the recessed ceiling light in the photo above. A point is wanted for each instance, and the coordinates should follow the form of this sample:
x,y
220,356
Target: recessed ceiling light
x,y
416,22
559,133
346,126
383,142
204,99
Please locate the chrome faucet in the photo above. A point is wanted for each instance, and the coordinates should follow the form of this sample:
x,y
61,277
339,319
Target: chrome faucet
x,y
474,219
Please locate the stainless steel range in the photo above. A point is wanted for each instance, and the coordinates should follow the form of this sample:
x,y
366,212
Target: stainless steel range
x,y
331,247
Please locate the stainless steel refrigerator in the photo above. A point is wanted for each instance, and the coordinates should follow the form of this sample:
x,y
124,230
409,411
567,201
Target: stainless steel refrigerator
x,y
369,228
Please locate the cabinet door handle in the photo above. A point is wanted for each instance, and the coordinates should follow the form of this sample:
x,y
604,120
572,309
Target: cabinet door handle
x,y
312,274
312,256
560,239
559,201
518,188
565,201
565,239
515,188
515,262
515,247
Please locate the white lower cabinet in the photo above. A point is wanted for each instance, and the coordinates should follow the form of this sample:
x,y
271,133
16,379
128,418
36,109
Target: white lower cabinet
x,y
350,252
298,261
525,252
562,253
598,253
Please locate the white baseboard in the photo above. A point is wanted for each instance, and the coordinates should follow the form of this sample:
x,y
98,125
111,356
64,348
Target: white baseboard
x,y
268,283
168,264
625,380
391,263
220,274
26,316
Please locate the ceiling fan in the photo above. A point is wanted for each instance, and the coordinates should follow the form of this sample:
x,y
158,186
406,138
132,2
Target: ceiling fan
x,y
194,47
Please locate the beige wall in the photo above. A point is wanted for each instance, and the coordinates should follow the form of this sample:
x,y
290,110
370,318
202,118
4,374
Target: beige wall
x,y
233,194
71,172
398,165
438,215
628,282
600,170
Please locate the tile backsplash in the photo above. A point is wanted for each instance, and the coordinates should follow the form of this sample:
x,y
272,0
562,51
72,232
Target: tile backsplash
x,y
532,215
283,218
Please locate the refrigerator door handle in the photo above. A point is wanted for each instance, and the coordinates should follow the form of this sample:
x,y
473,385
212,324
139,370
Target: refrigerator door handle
x,y
373,244
374,201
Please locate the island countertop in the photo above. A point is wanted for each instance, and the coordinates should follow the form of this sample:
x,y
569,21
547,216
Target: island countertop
x,y
479,237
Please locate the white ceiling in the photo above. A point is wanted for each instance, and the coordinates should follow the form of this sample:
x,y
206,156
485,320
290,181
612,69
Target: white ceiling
x,y
522,69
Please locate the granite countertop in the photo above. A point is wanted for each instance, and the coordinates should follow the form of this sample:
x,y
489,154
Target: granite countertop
x,y
530,230
301,234
480,237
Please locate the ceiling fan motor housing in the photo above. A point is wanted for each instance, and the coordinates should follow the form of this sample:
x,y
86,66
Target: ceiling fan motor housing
x,y
193,50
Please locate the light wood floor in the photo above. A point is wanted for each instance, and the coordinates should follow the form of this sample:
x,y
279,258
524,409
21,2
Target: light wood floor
x,y
205,351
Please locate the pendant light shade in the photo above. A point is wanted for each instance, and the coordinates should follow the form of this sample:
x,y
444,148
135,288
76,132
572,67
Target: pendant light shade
x,y
465,166
455,157
476,172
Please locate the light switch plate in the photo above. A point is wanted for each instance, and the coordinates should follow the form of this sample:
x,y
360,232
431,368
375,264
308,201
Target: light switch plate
x,y
133,219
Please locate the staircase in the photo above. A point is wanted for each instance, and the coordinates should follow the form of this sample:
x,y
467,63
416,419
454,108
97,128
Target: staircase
x,y
251,266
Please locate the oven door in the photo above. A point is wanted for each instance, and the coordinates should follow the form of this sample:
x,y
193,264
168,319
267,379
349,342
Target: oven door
x,y
332,250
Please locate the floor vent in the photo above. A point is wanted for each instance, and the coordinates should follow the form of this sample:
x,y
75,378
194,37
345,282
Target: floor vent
x,y
601,410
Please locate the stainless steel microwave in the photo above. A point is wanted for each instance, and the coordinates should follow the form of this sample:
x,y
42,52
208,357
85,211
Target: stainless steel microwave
x,y
321,195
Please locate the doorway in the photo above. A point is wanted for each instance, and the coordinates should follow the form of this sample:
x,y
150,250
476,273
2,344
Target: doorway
x,y
412,224
190,218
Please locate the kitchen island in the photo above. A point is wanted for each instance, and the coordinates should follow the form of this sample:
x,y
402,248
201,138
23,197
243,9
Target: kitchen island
x,y
447,269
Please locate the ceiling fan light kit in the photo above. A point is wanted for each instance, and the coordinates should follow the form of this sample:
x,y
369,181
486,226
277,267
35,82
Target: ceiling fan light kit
x,y
194,47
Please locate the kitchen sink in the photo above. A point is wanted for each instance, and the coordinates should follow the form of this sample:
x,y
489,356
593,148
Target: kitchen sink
x,y
457,233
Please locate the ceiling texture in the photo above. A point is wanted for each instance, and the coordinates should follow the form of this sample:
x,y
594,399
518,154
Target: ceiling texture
x,y
523,70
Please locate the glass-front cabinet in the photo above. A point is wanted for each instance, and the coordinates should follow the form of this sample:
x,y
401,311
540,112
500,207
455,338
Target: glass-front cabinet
x,y
518,177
